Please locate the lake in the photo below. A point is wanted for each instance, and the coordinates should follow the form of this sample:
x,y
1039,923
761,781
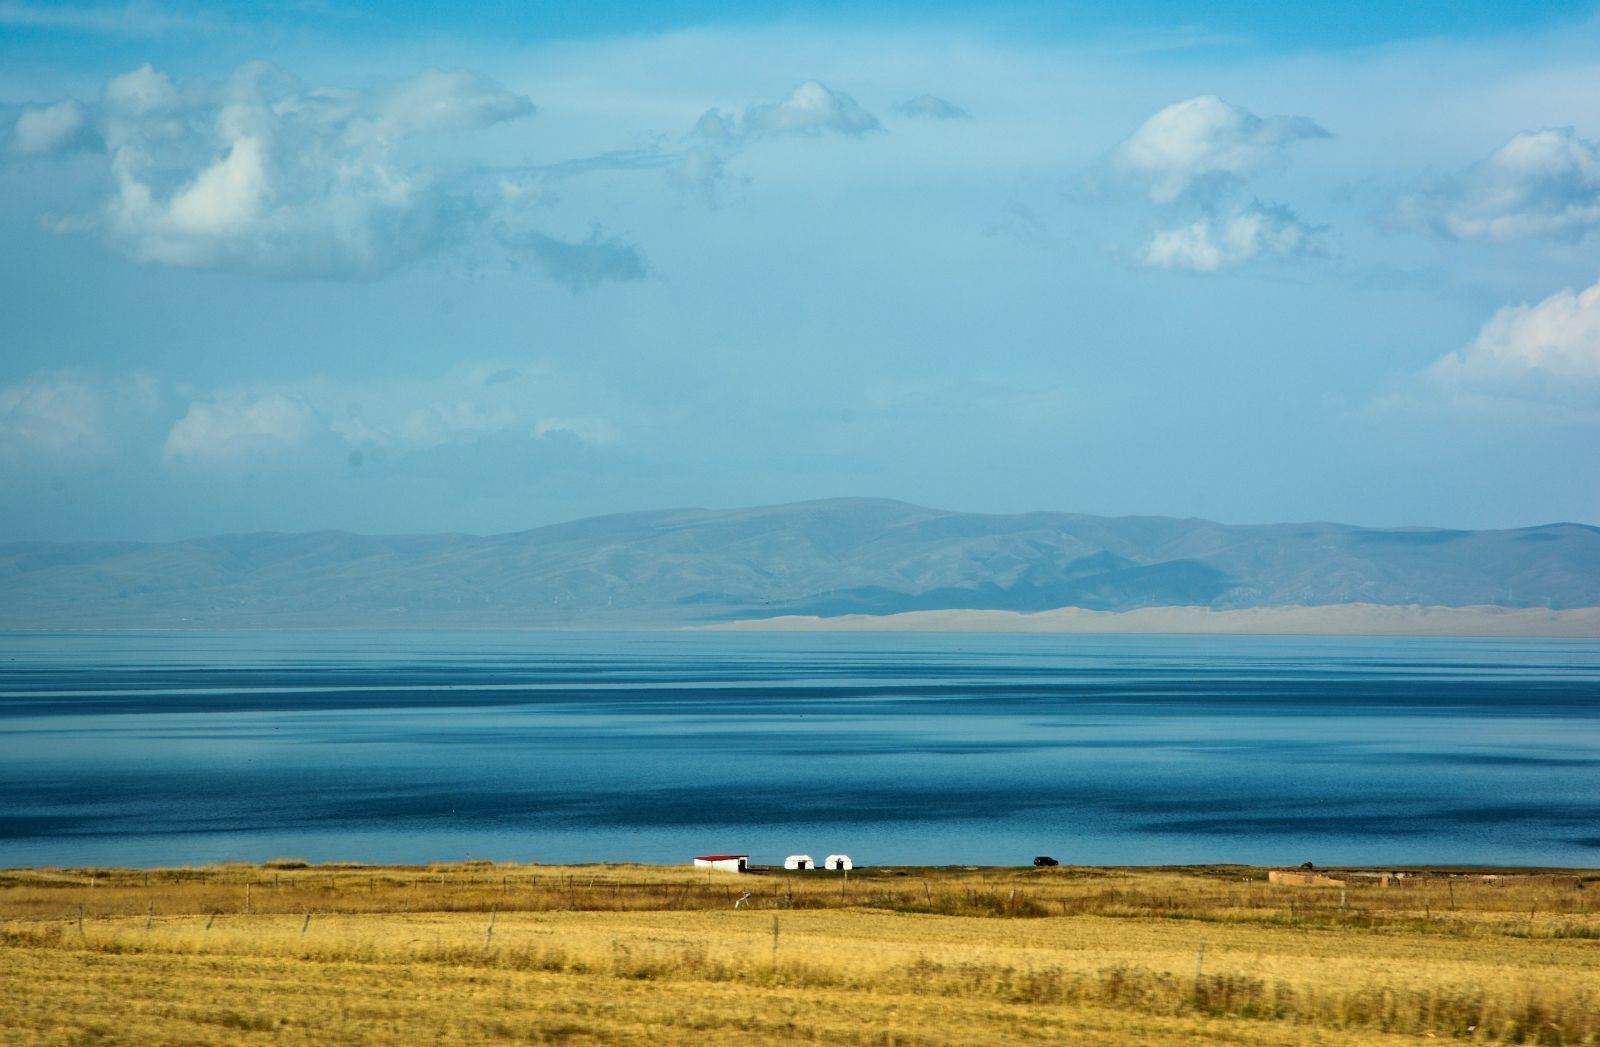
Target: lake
x,y
173,748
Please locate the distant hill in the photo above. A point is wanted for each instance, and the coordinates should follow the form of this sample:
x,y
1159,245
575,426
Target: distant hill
x,y
843,556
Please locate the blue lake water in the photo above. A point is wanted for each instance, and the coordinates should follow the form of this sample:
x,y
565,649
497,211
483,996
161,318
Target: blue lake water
x,y
155,748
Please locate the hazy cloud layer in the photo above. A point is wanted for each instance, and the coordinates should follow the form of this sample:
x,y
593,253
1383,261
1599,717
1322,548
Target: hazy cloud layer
x,y
70,419
1540,185
398,417
130,19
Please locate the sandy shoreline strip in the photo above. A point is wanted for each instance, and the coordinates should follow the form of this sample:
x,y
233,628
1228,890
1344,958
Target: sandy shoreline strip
x,y
1354,619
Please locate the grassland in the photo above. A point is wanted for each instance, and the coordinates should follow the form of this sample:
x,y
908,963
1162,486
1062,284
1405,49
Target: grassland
x,y
633,954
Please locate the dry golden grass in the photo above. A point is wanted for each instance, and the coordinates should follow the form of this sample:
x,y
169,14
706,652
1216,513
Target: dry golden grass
x,y
478,952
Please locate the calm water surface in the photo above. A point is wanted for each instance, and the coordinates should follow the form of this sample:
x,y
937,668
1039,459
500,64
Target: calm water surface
x,y
165,748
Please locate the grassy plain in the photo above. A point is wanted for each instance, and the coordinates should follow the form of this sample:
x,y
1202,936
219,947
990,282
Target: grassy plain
x,y
470,953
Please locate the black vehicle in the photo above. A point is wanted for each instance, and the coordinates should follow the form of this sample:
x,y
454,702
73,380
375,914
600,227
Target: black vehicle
x,y
1044,861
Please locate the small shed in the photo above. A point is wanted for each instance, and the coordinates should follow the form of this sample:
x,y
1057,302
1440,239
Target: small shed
x,y
734,863
799,861
838,862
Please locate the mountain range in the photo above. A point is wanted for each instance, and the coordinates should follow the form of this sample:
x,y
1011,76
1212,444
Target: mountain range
x,y
834,557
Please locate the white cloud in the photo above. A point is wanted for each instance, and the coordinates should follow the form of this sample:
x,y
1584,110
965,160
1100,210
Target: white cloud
x,y
1549,350
933,108
143,91
1218,242
75,418
1194,160
1197,146
261,175
809,111
812,108
475,404
70,415
1540,185
240,427
51,129
438,102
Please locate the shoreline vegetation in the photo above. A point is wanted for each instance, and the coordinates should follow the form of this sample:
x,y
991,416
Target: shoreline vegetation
x,y
288,951
1353,619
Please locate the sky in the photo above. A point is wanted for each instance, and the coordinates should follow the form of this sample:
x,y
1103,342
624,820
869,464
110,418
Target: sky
x,y
406,267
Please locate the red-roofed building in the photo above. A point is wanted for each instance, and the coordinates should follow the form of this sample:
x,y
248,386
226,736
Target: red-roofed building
x,y
734,863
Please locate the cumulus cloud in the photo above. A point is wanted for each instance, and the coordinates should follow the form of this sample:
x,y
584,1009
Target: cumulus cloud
x,y
1548,351
141,92
1194,160
811,110
262,175
1211,243
1540,185
579,265
70,415
1200,145
50,130
240,427
932,108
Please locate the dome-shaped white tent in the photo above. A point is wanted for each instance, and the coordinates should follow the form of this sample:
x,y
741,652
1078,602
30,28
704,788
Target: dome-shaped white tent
x,y
838,862
799,861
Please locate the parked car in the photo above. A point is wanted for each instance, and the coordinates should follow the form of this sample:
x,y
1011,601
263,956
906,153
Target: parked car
x,y
1044,861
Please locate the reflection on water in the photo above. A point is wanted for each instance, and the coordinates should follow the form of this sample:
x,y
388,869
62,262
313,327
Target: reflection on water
x,y
168,748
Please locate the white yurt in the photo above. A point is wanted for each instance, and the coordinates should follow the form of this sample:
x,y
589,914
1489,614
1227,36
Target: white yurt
x,y
838,862
799,861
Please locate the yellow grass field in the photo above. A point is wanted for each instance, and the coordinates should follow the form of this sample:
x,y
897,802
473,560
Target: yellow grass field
x,y
289,953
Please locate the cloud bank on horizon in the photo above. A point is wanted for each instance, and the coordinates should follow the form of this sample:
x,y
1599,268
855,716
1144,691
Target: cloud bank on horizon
x,y
456,272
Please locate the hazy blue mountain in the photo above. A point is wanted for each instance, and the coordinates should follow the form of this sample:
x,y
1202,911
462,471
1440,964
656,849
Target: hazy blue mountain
x,y
828,557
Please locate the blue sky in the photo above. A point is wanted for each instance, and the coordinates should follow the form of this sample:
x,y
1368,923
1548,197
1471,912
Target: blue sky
x,y
392,268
